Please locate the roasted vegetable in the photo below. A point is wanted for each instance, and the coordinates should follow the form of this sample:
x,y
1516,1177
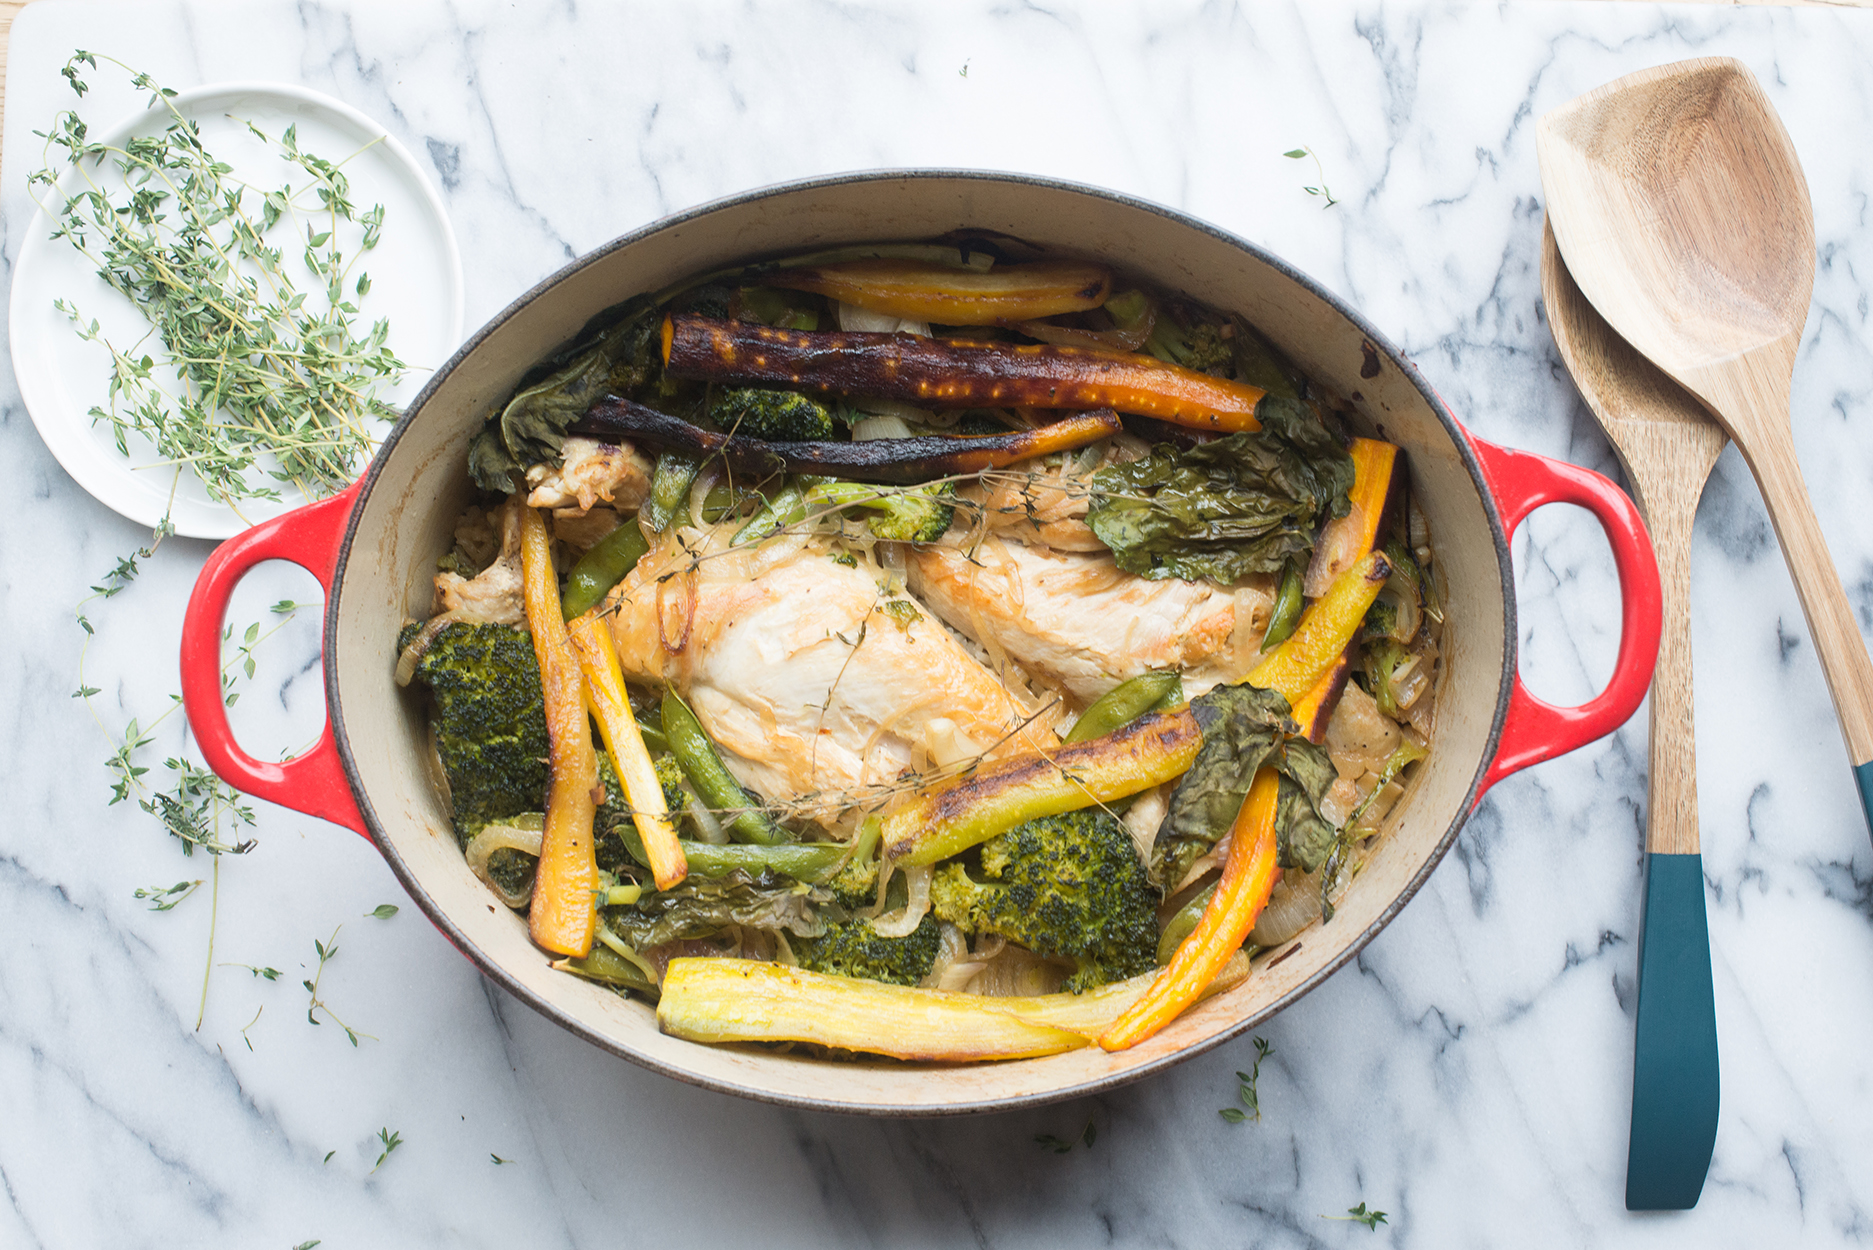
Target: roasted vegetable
x,y
951,296
561,916
1066,887
490,732
1289,601
1243,504
901,460
1248,878
956,373
740,1000
1125,703
669,485
909,514
602,567
1195,344
1373,502
1326,629
775,416
942,822
533,423
1316,706
704,906
719,791
852,948
611,707
1243,728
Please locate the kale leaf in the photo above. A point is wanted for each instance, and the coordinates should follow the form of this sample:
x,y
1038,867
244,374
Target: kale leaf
x,y
1225,509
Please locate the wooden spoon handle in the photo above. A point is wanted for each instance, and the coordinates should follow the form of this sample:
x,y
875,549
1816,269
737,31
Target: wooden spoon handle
x,y
1671,788
1831,622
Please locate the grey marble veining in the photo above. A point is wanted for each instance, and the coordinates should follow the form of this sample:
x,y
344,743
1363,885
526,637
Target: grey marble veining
x,y
1468,1074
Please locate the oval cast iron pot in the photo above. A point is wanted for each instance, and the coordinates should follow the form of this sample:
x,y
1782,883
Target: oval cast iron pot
x,y
374,547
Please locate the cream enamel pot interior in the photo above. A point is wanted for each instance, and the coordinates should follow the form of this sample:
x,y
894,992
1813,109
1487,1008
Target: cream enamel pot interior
x,y
375,546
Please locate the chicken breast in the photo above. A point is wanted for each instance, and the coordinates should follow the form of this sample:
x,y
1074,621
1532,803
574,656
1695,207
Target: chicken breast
x,y
1078,620
493,596
590,473
1045,504
819,687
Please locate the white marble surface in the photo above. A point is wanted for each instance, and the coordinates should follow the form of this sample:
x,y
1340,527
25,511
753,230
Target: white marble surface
x,y
1469,1074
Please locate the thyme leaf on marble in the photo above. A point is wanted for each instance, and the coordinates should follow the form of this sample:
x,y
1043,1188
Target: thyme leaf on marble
x,y
260,369
1245,1088
161,899
307,1245
498,1160
391,1142
1359,1215
250,1024
1061,1145
383,911
1321,190
326,950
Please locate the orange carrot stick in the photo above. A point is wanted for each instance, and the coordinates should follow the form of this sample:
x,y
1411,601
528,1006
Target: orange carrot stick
x,y
604,687
1248,878
562,917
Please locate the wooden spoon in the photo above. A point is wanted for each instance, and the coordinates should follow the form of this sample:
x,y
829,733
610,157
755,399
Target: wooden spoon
x,y
1668,447
1677,199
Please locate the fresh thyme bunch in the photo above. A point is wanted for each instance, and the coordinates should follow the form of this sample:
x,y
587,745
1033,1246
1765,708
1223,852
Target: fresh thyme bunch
x,y
264,370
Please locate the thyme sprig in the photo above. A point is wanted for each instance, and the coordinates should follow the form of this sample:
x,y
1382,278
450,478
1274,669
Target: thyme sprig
x,y
1245,1088
264,371
1359,1215
326,950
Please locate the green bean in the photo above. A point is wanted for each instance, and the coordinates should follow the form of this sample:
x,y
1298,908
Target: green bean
x,y
788,507
1125,703
601,568
1183,924
813,862
719,791
1287,613
669,489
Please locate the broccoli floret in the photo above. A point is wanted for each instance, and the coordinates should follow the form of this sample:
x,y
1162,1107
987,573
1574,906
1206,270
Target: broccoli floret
x,y
1068,886
1190,342
489,719
670,777
776,416
905,514
855,949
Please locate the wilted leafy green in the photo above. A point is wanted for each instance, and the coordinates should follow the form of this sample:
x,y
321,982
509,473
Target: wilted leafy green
x,y
1245,728
704,906
1239,505
532,426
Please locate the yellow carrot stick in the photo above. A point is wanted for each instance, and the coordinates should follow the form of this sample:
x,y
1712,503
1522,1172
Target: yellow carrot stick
x,y
1325,630
562,916
1248,878
604,687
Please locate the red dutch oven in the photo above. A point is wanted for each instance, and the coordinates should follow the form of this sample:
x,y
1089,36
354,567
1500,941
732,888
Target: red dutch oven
x,y
374,550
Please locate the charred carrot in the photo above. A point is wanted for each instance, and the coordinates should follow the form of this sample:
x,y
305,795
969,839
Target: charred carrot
x,y
903,461
1248,878
922,290
939,823
1325,630
604,687
1378,493
561,917
1315,708
956,373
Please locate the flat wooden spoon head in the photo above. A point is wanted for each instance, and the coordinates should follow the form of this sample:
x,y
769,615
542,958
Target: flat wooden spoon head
x,y
1679,203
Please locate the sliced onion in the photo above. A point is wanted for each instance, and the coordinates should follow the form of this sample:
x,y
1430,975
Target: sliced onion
x,y
502,838
420,645
1293,905
854,318
1114,340
903,923
952,954
870,429
1017,973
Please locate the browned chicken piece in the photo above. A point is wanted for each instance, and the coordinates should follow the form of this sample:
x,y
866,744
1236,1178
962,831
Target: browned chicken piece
x,y
819,688
492,596
1046,505
590,473
1079,620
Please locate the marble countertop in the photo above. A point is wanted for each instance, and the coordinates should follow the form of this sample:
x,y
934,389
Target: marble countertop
x,y
1468,1074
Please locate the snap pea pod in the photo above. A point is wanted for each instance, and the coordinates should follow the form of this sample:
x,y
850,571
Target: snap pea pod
x,y
788,507
601,568
718,790
669,489
1182,924
1288,603
1125,703
813,862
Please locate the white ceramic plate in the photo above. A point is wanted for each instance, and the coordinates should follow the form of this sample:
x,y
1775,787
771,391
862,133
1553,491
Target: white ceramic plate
x,y
416,282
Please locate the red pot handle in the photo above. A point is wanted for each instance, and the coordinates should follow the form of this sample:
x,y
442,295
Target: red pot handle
x,y
1535,731
313,783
